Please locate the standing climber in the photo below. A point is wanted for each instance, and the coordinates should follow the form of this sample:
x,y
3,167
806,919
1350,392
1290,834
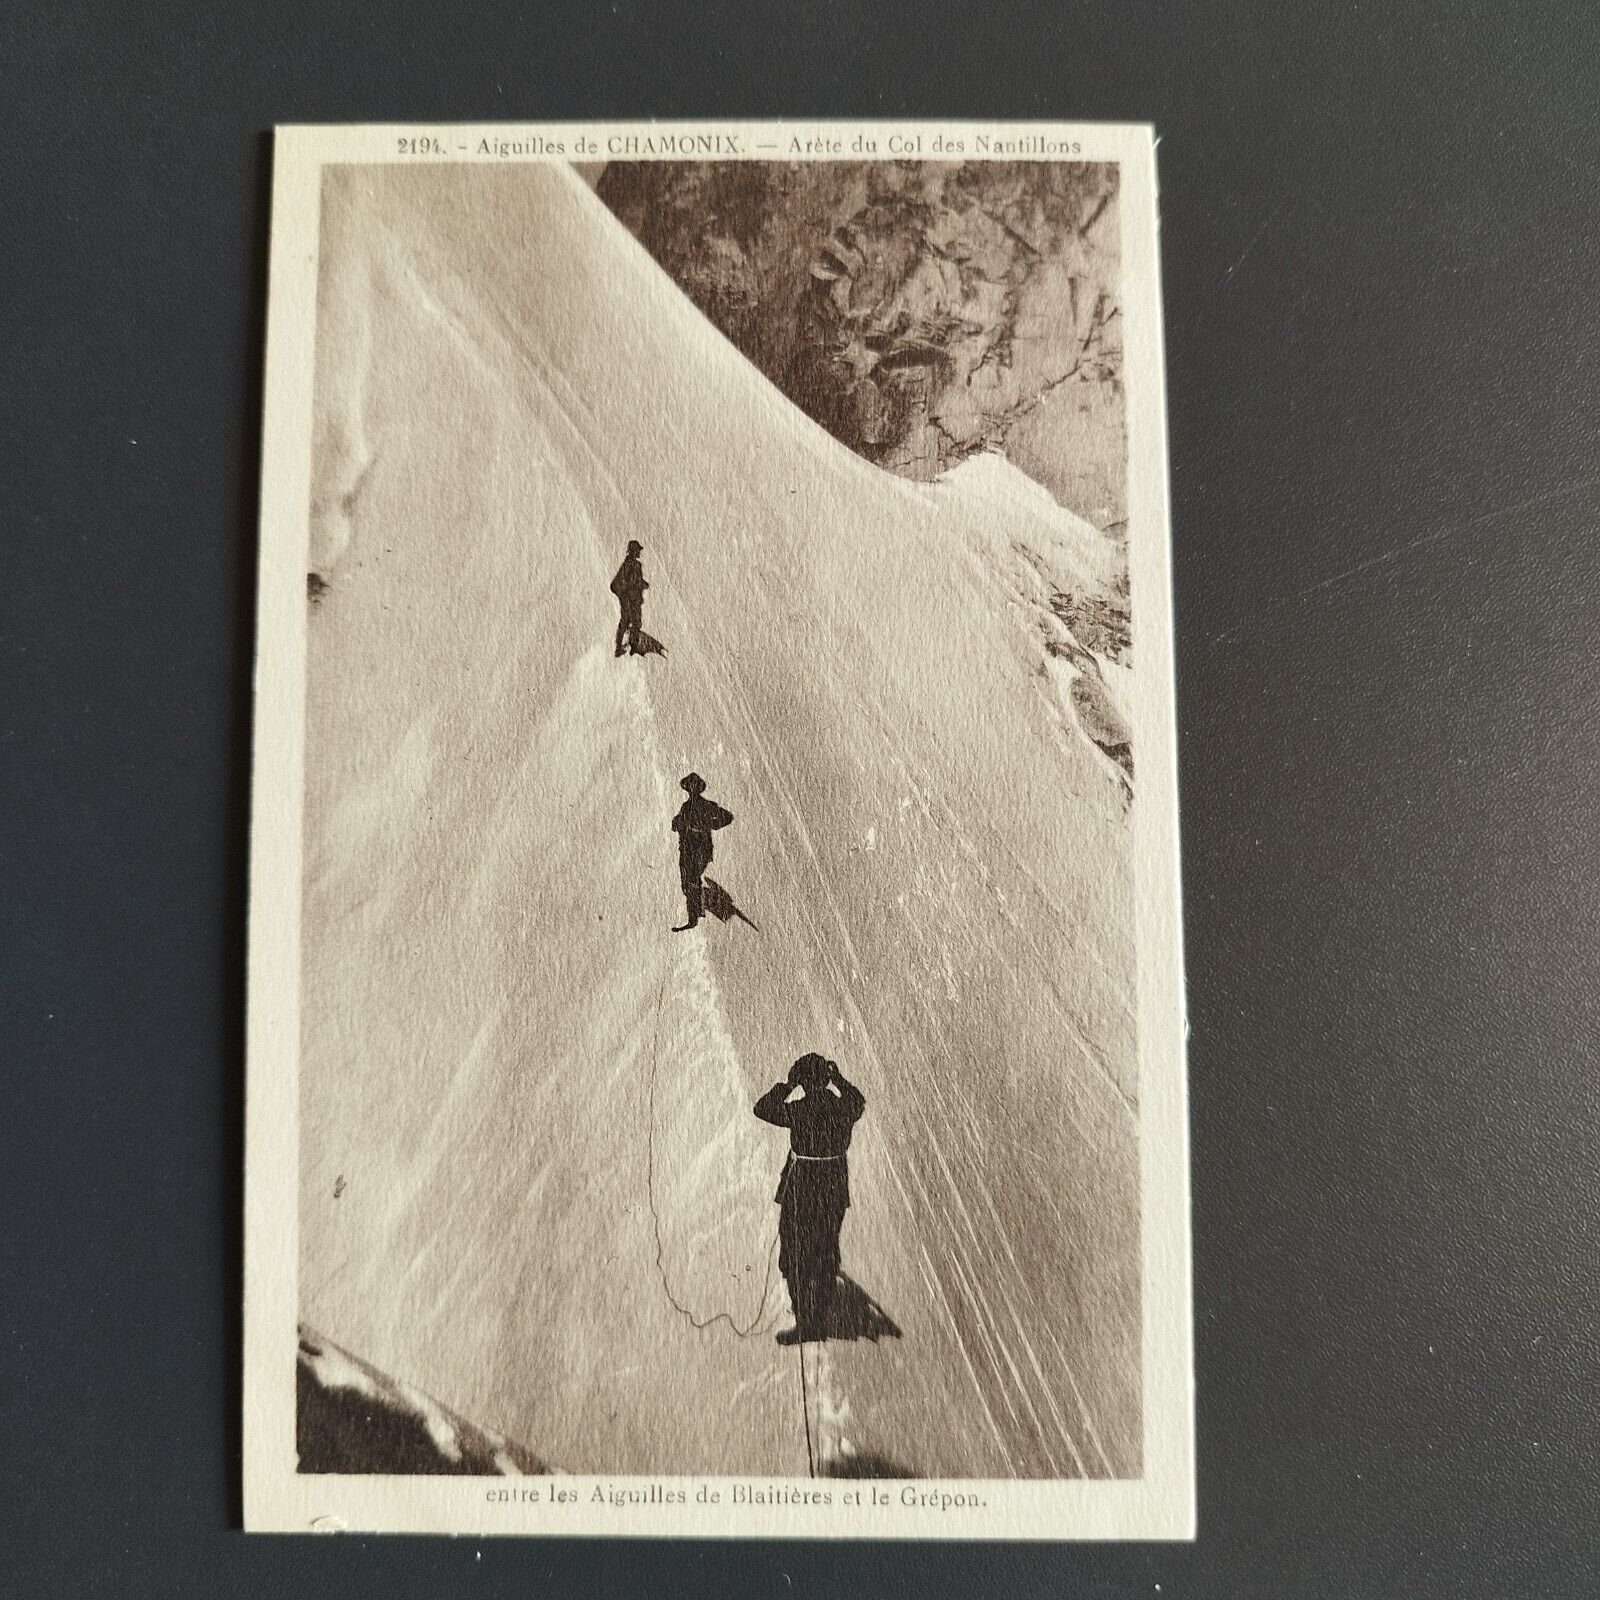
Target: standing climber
x,y
696,819
629,586
814,1191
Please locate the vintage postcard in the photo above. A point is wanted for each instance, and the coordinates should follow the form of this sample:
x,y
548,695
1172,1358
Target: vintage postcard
x,y
716,1025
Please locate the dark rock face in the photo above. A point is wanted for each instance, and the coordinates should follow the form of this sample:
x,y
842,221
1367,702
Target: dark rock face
x,y
920,311
351,1418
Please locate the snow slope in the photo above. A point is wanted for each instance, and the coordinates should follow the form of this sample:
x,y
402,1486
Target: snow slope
x,y
531,1184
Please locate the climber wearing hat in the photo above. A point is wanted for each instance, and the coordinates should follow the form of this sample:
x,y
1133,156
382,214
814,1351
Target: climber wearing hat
x,y
629,586
814,1191
696,819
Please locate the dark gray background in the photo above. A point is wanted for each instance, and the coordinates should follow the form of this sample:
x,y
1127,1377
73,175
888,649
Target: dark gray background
x,y
1378,236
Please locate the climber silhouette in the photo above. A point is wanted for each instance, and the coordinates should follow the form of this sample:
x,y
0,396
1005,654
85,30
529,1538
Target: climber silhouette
x,y
814,1191
629,586
696,819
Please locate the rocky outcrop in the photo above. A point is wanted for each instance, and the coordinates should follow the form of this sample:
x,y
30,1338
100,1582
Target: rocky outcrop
x,y
351,1418
920,311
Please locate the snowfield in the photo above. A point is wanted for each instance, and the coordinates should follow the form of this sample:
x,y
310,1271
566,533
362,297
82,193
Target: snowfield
x,y
531,1185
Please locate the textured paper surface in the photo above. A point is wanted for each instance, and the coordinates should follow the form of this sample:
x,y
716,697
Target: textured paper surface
x,y
890,434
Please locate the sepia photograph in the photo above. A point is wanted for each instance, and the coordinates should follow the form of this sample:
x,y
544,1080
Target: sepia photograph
x,y
715,1007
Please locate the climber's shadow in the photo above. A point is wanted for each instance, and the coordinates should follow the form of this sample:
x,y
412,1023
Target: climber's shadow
x,y
718,903
854,1314
869,1465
